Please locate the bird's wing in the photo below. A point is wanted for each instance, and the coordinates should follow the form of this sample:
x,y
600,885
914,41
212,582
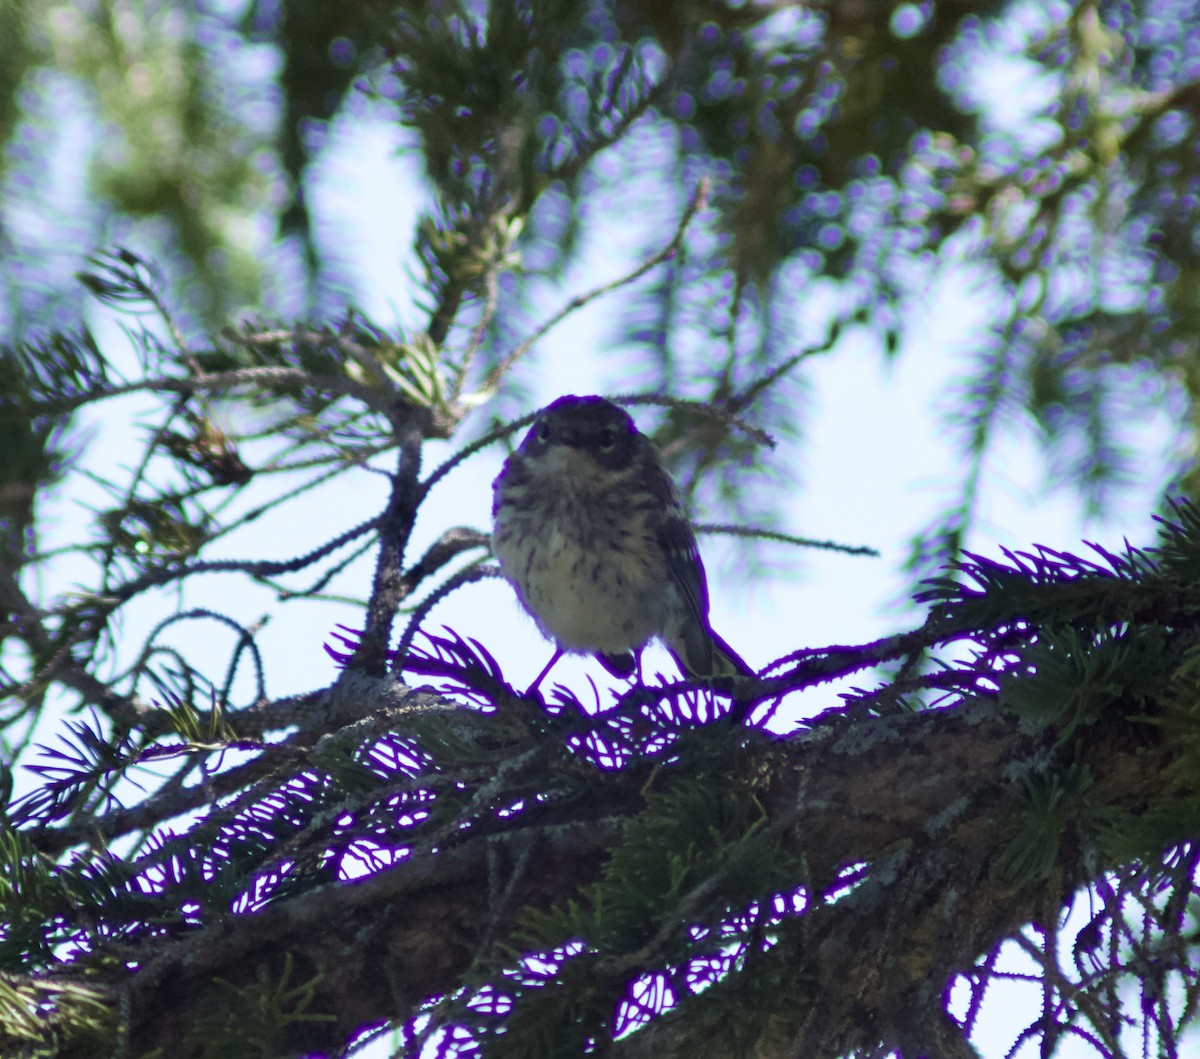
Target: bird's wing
x,y
698,649
682,556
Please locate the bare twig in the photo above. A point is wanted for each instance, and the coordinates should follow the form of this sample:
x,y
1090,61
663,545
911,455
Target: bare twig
x,y
388,588
784,538
491,298
257,568
697,203
444,468
313,590
139,474
265,377
716,412
761,385
449,545
474,572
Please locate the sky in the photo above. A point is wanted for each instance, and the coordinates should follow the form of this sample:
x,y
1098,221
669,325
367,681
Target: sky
x,y
876,462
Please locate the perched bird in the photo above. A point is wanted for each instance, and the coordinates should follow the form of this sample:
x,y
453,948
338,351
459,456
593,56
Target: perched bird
x,y
589,530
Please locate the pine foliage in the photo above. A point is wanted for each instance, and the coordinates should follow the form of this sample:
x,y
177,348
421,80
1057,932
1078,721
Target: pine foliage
x,y
649,871
192,865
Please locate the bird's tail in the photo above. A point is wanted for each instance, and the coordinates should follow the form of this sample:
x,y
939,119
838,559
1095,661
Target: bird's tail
x,y
726,661
702,654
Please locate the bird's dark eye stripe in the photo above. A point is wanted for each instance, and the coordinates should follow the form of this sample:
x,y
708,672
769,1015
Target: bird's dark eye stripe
x,y
543,430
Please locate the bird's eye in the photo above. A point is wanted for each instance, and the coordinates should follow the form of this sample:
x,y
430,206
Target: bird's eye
x,y
607,439
543,431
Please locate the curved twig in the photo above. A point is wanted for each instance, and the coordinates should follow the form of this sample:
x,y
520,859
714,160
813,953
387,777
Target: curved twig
x,y
474,572
694,206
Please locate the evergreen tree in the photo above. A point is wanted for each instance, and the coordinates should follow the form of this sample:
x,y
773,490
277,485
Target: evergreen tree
x,y
423,847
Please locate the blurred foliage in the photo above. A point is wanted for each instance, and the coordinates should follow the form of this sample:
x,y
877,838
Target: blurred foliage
x,y
14,31
864,143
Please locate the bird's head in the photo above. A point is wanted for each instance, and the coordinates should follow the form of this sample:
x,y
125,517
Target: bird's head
x,y
582,430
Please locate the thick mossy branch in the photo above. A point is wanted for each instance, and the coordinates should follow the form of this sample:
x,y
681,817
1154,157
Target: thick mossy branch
x,y
937,806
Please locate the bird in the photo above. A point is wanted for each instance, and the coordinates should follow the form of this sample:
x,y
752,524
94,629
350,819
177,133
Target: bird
x,y
589,530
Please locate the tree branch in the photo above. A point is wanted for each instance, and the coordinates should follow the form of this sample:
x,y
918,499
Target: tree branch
x,y
926,800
